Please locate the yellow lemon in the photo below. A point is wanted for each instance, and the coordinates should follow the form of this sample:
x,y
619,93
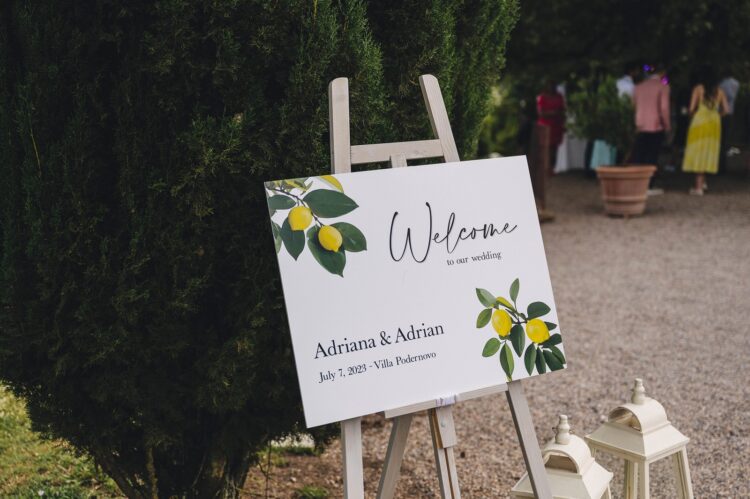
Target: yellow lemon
x,y
537,331
300,218
501,322
330,238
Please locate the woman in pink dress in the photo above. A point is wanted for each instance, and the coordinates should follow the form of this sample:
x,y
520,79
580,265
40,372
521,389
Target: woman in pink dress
x,y
550,108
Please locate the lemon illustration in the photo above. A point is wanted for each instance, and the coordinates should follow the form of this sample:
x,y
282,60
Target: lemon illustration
x,y
330,238
300,218
537,331
501,322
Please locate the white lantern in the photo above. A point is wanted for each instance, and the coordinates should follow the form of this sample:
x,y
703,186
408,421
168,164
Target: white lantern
x,y
571,469
639,433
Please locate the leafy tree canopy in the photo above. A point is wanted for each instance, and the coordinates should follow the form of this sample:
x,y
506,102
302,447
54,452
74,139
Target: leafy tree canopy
x,y
557,39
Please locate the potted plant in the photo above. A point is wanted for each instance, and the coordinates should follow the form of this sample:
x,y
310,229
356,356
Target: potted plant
x,y
600,114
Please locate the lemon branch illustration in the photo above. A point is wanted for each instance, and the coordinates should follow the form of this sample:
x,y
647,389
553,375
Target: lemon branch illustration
x,y
513,327
328,243
301,215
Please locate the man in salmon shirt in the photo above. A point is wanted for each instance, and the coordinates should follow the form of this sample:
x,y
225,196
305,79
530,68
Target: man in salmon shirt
x,y
651,101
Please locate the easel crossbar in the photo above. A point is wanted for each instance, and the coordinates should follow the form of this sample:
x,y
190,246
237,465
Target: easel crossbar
x,y
433,404
378,153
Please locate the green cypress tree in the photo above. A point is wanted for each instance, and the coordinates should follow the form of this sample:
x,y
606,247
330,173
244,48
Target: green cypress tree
x,y
141,310
462,42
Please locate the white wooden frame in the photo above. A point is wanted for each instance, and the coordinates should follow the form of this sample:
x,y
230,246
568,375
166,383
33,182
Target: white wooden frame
x,y
343,156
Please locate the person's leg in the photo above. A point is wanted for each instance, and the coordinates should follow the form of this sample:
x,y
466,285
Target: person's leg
x,y
637,155
651,157
646,148
552,159
698,187
655,140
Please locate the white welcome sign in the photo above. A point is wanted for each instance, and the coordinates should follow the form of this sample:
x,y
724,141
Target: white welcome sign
x,y
412,284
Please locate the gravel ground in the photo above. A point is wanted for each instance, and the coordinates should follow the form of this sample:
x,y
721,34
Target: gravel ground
x,y
663,297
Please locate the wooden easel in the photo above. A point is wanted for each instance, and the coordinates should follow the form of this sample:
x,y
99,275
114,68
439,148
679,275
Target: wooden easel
x,y
343,156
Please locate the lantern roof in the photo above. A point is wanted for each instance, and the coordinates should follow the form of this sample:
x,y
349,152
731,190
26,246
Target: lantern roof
x,y
638,430
571,470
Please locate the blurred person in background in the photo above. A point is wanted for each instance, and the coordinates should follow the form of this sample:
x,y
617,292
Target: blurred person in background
x,y
626,83
652,122
708,104
550,110
730,86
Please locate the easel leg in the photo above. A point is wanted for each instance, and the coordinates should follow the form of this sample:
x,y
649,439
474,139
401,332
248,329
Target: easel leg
x,y
351,452
532,455
443,440
394,455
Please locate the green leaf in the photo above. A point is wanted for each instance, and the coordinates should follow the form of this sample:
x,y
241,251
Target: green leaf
x,y
332,181
280,202
491,347
529,358
555,339
540,365
276,235
505,303
484,317
294,240
332,261
485,297
551,325
299,183
514,289
558,353
537,309
329,204
506,361
552,361
517,338
353,239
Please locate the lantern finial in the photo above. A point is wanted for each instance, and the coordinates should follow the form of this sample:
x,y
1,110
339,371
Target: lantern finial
x,y
562,436
639,393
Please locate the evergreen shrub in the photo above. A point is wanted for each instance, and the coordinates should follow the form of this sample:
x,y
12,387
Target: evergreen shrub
x,y
141,312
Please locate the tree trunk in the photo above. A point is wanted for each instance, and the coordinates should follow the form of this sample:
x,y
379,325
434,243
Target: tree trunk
x,y
221,477
217,478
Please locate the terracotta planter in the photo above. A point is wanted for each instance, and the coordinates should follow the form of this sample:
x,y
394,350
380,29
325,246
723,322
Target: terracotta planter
x,y
625,188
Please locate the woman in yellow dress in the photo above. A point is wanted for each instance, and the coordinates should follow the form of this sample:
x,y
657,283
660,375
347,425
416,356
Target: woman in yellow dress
x,y
708,104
